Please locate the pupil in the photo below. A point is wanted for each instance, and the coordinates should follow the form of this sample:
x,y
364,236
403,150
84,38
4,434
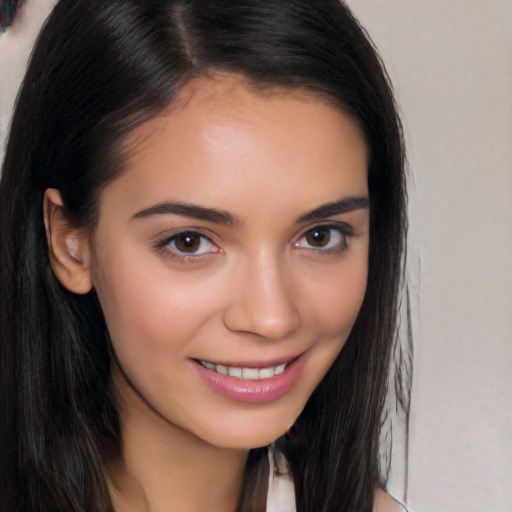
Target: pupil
x,y
187,243
318,237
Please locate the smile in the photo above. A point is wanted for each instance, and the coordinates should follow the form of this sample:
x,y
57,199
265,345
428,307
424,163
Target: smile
x,y
245,373
252,382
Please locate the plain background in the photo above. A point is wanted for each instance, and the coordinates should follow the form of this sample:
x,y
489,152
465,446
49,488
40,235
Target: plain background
x,y
450,62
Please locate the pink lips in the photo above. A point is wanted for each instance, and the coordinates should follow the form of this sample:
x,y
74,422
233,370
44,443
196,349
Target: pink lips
x,y
253,391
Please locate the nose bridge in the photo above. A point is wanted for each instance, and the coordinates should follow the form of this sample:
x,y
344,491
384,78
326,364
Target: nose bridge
x,y
264,303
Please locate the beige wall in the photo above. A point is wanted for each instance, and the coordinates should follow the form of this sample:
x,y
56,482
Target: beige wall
x,y
450,61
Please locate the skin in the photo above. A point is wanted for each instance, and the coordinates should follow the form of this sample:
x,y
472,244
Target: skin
x,y
260,289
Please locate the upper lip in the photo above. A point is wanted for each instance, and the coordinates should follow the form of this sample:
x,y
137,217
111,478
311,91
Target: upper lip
x,y
254,363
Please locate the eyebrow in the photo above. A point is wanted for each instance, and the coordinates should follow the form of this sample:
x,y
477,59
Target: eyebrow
x,y
216,216
344,205
190,210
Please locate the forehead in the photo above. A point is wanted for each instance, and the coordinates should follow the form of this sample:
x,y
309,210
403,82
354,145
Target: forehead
x,y
221,138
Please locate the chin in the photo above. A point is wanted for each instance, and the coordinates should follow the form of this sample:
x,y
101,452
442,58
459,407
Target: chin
x,y
243,438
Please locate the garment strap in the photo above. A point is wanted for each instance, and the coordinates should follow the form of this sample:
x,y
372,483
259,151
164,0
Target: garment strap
x,y
281,493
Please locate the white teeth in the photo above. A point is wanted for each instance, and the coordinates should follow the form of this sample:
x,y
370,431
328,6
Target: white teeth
x,y
266,373
250,373
233,371
246,373
221,369
280,369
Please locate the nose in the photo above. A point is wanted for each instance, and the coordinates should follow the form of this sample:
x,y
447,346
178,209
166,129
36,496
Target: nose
x,y
262,302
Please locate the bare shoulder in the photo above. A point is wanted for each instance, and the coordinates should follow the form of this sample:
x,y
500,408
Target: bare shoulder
x,y
385,503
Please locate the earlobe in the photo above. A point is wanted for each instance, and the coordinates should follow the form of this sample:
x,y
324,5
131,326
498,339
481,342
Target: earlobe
x,y
68,246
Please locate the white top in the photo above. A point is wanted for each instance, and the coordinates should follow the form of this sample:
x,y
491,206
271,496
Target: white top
x,y
281,493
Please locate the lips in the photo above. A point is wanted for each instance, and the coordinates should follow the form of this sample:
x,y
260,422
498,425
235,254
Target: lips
x,y
262,382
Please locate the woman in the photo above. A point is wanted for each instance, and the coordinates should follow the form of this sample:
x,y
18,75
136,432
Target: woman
x,y
202,211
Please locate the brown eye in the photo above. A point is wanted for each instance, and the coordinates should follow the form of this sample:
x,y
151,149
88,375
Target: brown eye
x,y
318,237
327,239
187,242
191,243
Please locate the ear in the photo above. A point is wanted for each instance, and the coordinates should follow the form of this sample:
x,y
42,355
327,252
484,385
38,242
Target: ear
x,y
68,246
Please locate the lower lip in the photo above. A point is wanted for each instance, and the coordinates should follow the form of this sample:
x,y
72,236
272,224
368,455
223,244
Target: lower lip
x,y
253,391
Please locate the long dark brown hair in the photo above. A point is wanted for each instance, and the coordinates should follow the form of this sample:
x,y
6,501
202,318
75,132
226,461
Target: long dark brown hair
x,y
99,69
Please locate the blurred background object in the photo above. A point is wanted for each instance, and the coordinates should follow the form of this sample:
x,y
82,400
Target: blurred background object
x,y
8,11
16,43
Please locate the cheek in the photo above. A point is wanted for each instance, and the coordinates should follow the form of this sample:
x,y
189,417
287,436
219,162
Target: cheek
x,y
147,311
335,301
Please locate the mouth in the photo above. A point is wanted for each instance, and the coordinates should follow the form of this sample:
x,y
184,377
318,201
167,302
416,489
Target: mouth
x,y
245,372
252,381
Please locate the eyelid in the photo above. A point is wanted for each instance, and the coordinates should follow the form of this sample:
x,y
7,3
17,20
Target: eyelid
x,y
344,227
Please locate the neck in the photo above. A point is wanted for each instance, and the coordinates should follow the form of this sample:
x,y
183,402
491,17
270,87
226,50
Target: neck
x,y
163,468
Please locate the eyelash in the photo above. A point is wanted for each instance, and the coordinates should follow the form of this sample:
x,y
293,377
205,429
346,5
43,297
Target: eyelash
x,y
344,231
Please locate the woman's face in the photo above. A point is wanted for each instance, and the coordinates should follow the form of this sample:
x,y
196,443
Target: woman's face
x,y
230,258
